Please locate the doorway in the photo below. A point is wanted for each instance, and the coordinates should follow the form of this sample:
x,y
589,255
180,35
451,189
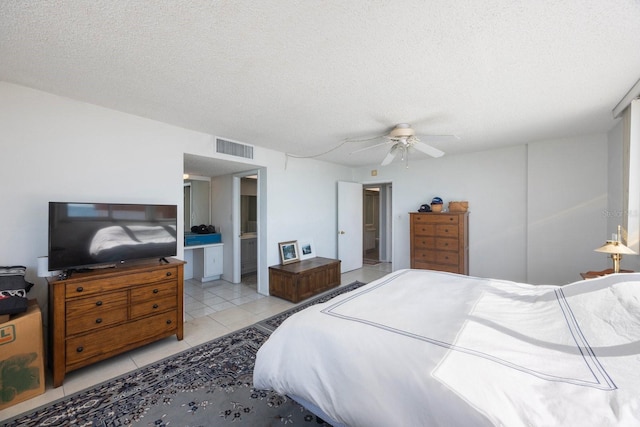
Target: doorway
x,y
247,215
376,223
249,229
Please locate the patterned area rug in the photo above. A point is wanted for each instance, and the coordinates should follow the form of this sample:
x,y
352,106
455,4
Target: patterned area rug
x,y
211,384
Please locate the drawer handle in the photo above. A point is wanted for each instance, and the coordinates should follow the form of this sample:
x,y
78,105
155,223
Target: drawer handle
x,y
169,322
155,291
98,320
79,289
98,303
80,349
155,305
168,273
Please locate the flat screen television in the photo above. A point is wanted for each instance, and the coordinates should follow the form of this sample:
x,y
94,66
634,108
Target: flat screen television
x,y
89,235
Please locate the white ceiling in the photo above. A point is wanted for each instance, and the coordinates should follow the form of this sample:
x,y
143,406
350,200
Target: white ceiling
x,y
301,76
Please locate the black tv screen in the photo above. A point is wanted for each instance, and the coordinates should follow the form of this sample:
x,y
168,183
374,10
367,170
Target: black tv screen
x,y
83,235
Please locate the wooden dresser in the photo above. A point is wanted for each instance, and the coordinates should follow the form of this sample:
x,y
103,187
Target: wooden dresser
x,y
440,241
300,280
98,314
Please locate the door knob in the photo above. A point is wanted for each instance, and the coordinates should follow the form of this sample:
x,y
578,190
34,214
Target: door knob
x,y
341,232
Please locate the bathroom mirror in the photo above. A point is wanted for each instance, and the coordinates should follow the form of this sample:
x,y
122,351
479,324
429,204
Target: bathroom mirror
x,y
248,214
197,203
248,205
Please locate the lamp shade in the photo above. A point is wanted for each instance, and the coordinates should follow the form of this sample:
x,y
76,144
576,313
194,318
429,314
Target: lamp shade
x,y
613,247
43,266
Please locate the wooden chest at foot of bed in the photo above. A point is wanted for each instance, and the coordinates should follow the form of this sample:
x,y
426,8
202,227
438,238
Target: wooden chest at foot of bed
x,y
301,280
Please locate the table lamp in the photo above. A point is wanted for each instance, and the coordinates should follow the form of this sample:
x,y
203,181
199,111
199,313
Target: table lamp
x,y
616,249
43,268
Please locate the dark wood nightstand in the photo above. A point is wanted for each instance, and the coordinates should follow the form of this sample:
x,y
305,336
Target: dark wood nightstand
x,y
594,274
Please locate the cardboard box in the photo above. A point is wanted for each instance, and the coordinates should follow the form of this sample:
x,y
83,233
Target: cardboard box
x,y
21,357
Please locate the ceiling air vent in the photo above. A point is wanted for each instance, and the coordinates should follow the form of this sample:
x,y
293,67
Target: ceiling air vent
x,y
231,148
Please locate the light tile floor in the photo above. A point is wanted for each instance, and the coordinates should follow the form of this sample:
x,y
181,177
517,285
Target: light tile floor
x,y
212,309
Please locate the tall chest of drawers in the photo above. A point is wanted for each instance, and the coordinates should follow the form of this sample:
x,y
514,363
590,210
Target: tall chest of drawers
x,y
102,313
440,241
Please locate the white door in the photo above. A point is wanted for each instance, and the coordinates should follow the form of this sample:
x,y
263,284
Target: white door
x,y
349,225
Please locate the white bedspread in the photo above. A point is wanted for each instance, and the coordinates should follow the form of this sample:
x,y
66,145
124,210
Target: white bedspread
x,y
423,348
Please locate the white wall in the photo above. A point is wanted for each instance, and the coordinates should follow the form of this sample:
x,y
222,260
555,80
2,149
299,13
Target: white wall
x,y
632,170
615,209
494,184
523,201
302,203
567,195
57,149
299,202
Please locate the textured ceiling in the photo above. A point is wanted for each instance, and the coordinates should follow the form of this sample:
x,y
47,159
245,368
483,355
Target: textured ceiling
x,y
301,76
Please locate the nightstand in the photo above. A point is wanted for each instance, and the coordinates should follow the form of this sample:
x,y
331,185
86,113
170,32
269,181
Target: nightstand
x,y
594,274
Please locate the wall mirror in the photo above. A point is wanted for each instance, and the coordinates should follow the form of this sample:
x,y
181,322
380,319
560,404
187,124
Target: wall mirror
x,y
197,203
248,205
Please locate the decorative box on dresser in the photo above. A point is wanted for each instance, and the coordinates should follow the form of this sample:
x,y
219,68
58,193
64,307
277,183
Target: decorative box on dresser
x,y
104,312
440,241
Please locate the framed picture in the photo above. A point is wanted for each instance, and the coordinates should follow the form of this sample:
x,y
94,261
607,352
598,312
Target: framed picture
x,y
307,249
289,252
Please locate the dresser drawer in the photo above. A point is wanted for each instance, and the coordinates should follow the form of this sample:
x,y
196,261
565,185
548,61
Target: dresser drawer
x,y
424,242
435,219
96,304
445,244
154,291
86,287
101,318
81,349
424,229
155,305
443,230
423,255
447,258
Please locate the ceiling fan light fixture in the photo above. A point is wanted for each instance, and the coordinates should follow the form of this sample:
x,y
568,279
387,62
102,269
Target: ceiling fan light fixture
x,y
403,139
402,130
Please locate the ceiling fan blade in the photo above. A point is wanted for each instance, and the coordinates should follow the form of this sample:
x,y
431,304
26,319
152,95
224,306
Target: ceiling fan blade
x,y
427,149
369,147
390,155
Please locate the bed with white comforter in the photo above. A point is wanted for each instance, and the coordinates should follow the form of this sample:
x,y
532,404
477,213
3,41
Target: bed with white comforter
x,y
424,348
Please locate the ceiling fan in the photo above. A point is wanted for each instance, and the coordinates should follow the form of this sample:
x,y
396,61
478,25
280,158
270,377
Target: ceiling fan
x,y
403,138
